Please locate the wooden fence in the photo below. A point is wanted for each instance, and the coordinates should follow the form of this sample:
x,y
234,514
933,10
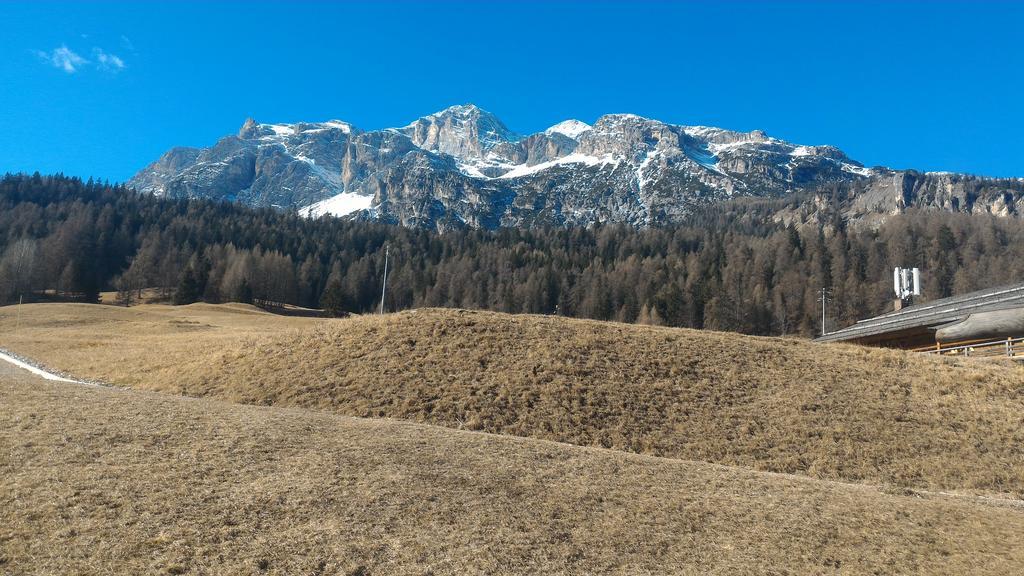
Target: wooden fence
x,y
1005,348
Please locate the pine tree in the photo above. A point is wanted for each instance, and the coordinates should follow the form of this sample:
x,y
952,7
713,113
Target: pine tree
x,y
334,300
242,292
188,290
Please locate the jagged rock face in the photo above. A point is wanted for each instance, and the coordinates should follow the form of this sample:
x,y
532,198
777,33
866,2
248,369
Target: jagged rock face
x,y
459,131
894,192
462,167
174,162
264,165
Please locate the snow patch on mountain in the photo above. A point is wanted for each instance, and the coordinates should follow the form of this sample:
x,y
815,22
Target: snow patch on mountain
x,y
705,159
575,158
340,205
858,170
281,129
570,128
339,125
471,170
642,179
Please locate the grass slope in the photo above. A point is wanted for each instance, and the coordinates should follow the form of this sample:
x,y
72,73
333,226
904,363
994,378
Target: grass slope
x,y
831,412
101,481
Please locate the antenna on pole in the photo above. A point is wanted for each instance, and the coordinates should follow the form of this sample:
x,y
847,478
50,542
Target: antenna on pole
x,y
906,282
385,286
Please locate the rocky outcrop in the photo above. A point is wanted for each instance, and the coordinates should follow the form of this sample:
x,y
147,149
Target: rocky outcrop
x,y
460,131
462,167
894,192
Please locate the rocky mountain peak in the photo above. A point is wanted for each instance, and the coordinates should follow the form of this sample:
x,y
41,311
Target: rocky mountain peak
x,y
627,136
462,131
570,128
249,128
620,122
463,111
462,167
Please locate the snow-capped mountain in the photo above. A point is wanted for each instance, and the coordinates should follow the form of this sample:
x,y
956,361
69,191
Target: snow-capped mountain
x,y
463,167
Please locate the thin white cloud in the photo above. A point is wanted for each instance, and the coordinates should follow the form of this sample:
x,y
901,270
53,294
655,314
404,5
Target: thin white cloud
x,y
70,61
107,61
64,58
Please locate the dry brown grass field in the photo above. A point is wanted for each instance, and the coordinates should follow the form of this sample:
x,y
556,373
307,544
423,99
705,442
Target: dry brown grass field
x,y
829,412
104,481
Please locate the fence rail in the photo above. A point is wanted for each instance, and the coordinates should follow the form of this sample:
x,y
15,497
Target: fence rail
x,y
1005,348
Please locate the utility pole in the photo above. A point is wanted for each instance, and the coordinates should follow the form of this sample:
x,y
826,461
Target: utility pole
x,y
385,286
824,299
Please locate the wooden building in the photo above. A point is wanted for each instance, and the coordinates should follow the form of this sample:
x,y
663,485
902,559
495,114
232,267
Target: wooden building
x,y
986,316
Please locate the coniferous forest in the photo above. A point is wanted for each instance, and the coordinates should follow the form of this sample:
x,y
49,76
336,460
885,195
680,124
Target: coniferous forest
x,y
733,267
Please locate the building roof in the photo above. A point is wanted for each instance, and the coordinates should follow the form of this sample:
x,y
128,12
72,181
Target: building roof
x,y
915,325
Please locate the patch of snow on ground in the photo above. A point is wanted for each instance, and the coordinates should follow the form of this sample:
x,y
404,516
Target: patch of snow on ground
x,y
471,170
282,129
37,371
801,151
716,147
702,131
340,205
640,178
575,158
570,128
705,159
343,126
856,169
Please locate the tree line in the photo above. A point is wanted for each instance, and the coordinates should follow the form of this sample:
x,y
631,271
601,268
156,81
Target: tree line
x,y
731,267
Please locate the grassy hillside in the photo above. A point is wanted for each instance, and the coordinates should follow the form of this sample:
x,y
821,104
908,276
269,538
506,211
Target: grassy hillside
x,y
831,412
97,481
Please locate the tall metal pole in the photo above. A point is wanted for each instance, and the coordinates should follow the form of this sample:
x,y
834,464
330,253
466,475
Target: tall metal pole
x,y
822,311
385,286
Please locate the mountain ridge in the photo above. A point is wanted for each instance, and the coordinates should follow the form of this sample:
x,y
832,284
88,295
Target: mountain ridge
x,y
463,167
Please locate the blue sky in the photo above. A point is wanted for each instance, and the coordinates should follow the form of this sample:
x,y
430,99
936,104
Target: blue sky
x,y
103,89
